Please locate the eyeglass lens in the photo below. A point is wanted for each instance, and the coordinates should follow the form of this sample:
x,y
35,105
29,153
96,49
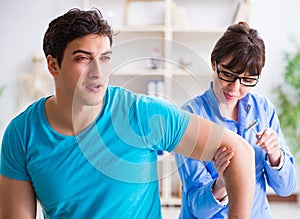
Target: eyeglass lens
x,y
226,76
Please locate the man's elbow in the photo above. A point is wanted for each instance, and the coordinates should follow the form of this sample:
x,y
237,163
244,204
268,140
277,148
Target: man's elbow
x,y
244,158
246,148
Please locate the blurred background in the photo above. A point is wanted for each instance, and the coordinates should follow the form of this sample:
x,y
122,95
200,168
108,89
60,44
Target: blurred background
x,y
194,24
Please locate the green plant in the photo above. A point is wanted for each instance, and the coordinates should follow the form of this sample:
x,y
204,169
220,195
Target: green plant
x,y
1,89
289,100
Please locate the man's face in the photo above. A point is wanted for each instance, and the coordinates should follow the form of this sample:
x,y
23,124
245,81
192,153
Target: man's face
x,y
84,73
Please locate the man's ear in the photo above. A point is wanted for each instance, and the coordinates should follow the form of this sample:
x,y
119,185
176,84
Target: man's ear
x,y
53,66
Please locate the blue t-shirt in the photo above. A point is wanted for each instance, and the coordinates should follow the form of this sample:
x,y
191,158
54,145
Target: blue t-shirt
x,y
108,171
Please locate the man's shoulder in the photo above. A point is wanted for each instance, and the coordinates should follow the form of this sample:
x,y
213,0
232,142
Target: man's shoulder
x,y
29,112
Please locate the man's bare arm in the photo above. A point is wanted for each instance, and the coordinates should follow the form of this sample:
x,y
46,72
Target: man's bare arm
x,y
201,141
17,199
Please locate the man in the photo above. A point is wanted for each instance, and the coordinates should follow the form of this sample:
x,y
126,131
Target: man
x,y
90,150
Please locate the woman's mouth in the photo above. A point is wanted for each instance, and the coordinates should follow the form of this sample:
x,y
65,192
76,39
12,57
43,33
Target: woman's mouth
x,y
229,97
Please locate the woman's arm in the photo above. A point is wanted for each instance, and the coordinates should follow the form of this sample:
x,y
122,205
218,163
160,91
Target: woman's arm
x,y
17,199
201,141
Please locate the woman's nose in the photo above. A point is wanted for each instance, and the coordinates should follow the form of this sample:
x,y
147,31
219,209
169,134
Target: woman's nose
x,y
235,84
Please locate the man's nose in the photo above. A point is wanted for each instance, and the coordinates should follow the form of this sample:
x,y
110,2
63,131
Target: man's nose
x,y
94,69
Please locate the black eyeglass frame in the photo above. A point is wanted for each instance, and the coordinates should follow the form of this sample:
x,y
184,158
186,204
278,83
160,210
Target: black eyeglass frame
x,y
236,77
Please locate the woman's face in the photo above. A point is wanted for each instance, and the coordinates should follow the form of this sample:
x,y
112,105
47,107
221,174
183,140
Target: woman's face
x,y
228,86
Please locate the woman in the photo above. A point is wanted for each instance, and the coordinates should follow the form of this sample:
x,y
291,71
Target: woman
x,y
237,61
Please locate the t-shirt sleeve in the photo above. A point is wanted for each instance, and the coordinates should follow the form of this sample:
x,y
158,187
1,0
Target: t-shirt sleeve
x,y
166,123
13,154
177,123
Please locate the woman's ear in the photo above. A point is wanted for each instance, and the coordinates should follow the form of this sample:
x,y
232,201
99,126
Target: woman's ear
x,y
213,66
53,66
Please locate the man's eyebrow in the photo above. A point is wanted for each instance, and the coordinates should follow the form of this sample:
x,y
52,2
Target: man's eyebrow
x,y
81,51
109,52
89,53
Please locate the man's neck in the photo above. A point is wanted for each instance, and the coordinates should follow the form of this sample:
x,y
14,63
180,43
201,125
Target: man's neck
x,y
69,119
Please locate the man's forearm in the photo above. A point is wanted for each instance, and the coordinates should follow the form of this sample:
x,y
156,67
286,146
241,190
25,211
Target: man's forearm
x,y
240,178
201,141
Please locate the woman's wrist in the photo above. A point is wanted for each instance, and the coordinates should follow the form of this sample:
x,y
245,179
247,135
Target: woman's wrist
x,y
219,190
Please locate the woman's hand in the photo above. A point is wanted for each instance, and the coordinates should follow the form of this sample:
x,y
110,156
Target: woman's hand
x,y
269,141
221,161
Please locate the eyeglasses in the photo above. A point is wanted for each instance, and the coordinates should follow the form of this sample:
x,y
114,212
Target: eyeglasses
x,y
226,76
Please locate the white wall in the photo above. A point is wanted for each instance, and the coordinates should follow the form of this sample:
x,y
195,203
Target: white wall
x,y
276,21
23,23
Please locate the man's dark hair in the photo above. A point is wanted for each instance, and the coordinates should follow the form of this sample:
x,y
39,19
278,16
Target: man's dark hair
x,y
74,24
